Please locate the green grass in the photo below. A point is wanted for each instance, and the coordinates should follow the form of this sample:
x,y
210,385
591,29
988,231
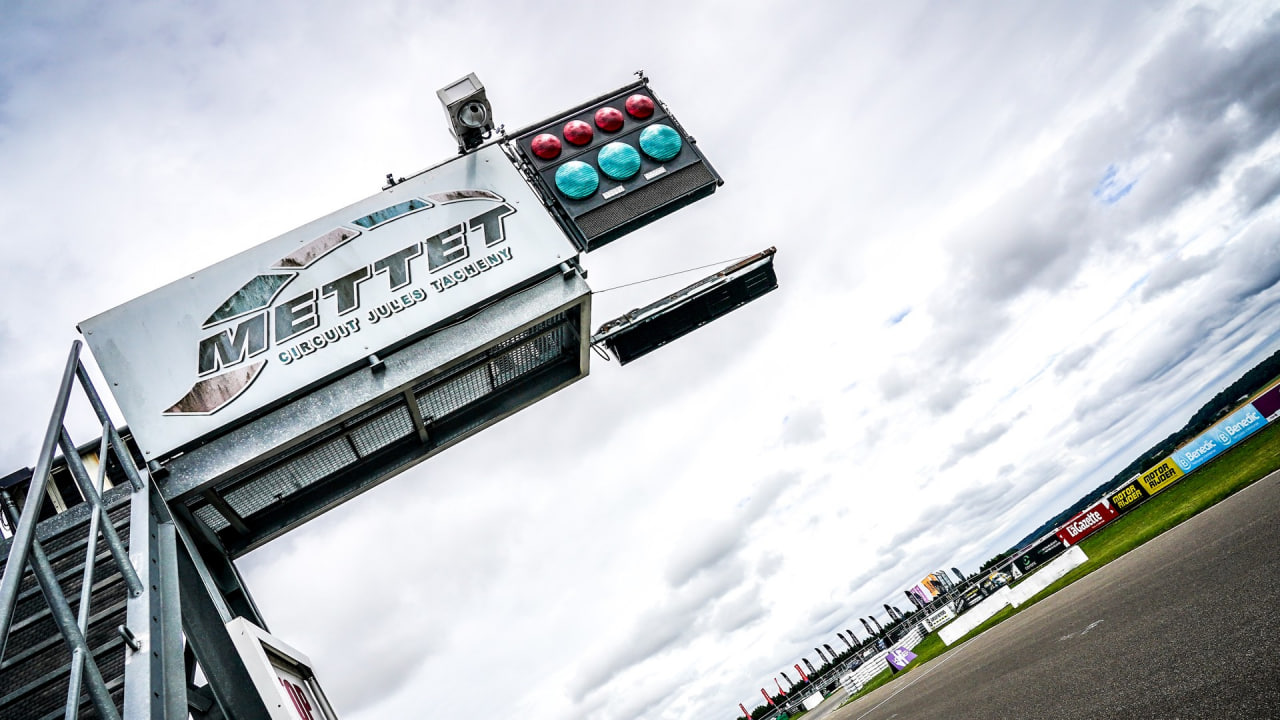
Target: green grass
x,y
1249,462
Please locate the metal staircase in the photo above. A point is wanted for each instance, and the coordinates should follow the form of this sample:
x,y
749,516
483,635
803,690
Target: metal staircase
x,y
113,559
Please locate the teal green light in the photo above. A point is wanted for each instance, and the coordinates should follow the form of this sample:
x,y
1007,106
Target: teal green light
x,y
577,179
619,160
660,142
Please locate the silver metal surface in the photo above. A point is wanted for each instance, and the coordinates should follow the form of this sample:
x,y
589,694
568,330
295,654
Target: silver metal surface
x,y
86,583
228,342
140,662
62,617
374,410
94,498
25,527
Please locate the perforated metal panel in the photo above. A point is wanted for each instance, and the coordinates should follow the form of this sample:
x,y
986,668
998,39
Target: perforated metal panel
x,y
373,443
691,183
290,476
378,430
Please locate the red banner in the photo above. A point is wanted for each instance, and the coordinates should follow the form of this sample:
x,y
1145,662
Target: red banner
x,y
1087,522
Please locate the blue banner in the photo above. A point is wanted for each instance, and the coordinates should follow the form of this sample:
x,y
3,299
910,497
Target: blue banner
x,y
1238,426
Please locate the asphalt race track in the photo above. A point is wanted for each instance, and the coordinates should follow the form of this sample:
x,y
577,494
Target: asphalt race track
x,y
1186,626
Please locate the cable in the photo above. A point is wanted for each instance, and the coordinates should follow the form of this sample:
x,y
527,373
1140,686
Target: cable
x,y
680,272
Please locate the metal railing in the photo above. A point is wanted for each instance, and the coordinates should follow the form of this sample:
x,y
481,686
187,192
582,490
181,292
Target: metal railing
x,y
151,604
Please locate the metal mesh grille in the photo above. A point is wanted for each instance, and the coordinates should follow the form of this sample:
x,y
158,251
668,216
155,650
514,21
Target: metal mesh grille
x,y
453,399
627,208
292,475
510,360
531,355
381,430
458,391
211,517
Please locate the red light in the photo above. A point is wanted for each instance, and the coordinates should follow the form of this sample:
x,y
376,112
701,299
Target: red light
x,y
578,132
609,119
640,106
546,146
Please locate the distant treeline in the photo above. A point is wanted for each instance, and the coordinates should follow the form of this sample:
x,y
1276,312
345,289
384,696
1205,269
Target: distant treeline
x,y
1224,402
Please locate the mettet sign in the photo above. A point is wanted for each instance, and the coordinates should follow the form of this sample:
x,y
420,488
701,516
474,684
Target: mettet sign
x,y
236,337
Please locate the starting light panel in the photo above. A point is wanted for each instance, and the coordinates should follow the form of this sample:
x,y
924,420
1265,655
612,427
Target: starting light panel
x,y
646,329
615,164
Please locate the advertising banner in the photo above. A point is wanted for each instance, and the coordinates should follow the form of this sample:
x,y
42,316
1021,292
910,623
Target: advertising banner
x,y
1087,522
1238,426
233,339
1039,554
1160,476
900,658
1268,404
1129,496
937,619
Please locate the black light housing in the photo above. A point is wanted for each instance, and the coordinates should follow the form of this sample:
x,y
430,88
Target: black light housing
x,y
614,164
643,330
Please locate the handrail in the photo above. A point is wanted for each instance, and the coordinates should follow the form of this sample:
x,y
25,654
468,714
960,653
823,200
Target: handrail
x,y
26,549
86,584
24,532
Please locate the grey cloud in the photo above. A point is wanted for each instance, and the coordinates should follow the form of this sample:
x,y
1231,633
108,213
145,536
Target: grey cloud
x,y
1258,186
672,624
975,440
1039,237
1074,359
945,399
768,565
894,384
1253,262
1176,271
714,545
736,613
705,552
804,426
889,558
1240,287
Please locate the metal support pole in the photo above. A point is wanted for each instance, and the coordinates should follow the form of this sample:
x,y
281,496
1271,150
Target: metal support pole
x,y
63,618
139,683
94,498
155,685
207,635
86,586
173,676
117,444
25,528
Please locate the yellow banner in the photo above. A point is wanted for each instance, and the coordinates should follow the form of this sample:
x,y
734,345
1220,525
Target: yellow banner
x,y
1159,477
1127,496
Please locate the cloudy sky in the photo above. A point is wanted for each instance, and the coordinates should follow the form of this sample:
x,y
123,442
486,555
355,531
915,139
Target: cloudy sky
x,y
1017,243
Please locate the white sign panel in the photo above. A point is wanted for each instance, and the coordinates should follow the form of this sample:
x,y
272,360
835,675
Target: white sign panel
x,y
282,676
937,619
236,337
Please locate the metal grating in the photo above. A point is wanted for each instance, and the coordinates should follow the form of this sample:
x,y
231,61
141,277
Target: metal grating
x,y
454,393
211,517
371,435
291,476
508,361
523,359
452,405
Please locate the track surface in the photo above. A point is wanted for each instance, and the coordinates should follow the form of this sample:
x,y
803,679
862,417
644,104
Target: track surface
x,y
1185,626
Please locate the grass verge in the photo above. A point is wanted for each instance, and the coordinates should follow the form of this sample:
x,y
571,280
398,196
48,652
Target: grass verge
x,y
1252,460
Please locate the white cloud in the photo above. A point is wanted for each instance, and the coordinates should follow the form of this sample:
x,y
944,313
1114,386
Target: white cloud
x,y
1015,249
